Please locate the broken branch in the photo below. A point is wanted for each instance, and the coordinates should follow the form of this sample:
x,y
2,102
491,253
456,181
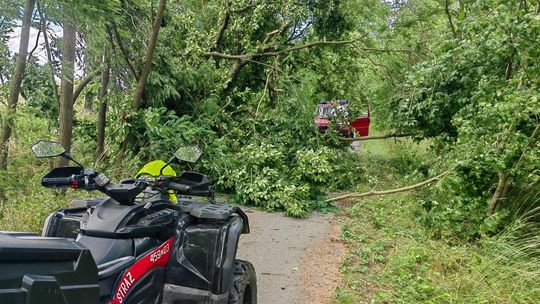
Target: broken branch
x,y
277,53
116,35
86,80
392,191
35,45
223,26
396,135
300,47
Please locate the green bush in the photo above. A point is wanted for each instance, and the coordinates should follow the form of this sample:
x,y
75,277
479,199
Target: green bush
x,y
476,99
264,175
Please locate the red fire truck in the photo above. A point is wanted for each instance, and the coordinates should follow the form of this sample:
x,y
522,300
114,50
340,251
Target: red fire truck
x,y
337,112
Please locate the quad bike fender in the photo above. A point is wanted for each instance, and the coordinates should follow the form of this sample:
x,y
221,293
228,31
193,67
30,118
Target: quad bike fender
x,y
231,236
201,267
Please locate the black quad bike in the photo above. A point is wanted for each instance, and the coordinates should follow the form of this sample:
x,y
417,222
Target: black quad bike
x,y
134,246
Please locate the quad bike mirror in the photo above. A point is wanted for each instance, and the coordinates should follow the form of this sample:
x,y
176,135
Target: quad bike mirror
x,y
45,148
190,154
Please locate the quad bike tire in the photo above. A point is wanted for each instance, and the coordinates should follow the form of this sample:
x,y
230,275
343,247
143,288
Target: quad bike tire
x,y
244,284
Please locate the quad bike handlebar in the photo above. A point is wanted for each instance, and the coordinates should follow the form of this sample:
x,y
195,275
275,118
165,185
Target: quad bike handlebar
x,y
179,187
124,193
78,177
65,181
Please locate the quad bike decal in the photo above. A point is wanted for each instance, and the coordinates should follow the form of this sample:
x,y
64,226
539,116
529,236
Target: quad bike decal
x,y
158,257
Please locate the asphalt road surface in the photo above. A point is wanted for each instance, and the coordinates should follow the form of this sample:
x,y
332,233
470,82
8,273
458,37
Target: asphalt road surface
x,y
278,247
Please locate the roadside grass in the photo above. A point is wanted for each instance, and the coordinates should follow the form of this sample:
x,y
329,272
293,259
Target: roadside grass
x,y
392,258
28,203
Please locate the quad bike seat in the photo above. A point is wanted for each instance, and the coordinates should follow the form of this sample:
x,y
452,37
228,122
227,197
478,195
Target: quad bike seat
x,y
105,250
27,247
46,270
27,259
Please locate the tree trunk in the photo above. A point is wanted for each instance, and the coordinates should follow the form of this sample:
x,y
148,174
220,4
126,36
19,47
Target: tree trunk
x,y
66,86
16,82
49,54
102,112
137,99
449,16
499,193
139,89
89,101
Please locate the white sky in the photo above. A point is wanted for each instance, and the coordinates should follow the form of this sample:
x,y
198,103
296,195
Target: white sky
x,y
40,53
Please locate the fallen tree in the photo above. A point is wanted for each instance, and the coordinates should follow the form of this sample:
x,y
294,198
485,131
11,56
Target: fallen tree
x,y
392,135
384,192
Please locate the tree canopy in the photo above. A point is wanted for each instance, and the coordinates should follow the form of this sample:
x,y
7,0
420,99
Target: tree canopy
x,y
241,78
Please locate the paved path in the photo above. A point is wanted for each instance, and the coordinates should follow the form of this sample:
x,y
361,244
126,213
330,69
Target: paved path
x,y
276,246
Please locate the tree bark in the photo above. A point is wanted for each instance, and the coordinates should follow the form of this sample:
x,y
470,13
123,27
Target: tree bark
x,y
139,89
102,111
223,26
35,45
123,50
78,90
66,87
502,185
16,82
89,101
392,191
226,20
229,85
137,99
449,16
498,195
49,54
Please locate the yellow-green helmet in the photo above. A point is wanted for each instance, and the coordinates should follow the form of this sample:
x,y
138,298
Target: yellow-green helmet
x,y
153,168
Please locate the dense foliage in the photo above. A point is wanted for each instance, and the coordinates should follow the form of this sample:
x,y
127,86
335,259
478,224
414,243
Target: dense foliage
x,y
477,97
241,79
